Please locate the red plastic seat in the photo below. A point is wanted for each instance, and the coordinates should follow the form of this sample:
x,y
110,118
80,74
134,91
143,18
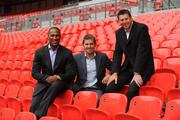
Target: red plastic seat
x,y
11,91
169,44
152,91
173,94
162,53
53,110
155,44
165,79
7,114
3,102
124,116
2,89
25,92
176,51
158,63
4,76
65,98
25,116
147,107
26,79
110,104
15,104
78,49
174,64
49,118
14,77
82,101
26,103
104,47
172,110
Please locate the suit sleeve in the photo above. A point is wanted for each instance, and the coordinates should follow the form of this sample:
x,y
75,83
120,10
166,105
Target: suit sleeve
x,y
117,57
108,63
144,51
37,67
70,69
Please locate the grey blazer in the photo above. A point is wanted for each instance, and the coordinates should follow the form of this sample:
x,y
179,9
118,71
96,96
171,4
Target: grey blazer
x,y
102,63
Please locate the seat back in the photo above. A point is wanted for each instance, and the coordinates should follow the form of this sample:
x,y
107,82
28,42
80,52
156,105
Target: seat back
x,y
15,104
124,116
86,99
113,103
11,91
172,110
25,92
64,98
173,94
25,116
147,107
2,89
165,79
7,114
49,118
152,91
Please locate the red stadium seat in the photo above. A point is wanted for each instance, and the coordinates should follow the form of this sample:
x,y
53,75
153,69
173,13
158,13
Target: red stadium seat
x,y
25,116
146,107
2,89
25,92
173,94
15,104
11,91
49,118
165,79
82,101
124,116
116,101
7,114
172,110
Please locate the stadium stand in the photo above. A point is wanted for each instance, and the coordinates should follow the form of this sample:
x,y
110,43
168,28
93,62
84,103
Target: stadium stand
x,y
22,34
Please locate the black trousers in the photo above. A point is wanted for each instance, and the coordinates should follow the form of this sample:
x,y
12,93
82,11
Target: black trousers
x,y
42,101
124,78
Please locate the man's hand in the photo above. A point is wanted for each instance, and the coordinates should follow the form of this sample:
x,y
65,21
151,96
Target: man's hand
x,y
53,78
137,79
113,77
106,78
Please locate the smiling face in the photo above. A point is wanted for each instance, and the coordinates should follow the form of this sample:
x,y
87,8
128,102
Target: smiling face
x,y
125,21
89,46
54,37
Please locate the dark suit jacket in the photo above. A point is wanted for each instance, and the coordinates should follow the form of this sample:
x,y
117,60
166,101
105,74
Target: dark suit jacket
x,y
102,62
64,66
137,50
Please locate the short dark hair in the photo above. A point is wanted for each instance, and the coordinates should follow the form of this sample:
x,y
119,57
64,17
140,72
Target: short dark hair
x,y
54,28
89,36
122,12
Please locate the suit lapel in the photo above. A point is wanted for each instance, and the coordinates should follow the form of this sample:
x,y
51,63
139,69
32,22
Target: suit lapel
x,y
97,60
58,58
132,32
83,61
124,37
47,57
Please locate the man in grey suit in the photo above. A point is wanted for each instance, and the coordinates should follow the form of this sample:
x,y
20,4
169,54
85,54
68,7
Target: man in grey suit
x,y
91,68
132,40
54,69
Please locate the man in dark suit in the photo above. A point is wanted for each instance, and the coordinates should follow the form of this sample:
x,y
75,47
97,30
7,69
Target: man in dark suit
x,y
54,69
132,40
91,68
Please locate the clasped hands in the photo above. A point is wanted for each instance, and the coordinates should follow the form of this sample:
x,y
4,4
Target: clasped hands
x,y
53,78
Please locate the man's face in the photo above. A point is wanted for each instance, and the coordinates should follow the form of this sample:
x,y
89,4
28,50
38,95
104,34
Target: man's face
x,y
125,21
89,46
54,37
